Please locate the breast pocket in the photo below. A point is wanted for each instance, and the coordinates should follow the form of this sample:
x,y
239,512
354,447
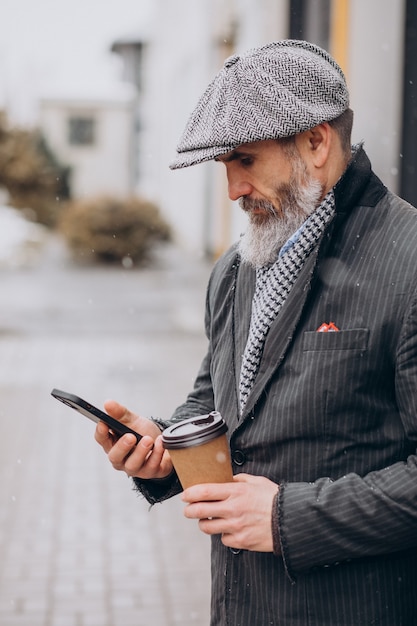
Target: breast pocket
x,y
354,339
338,366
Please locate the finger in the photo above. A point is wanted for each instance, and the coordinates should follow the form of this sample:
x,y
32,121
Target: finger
x,y
104,437
245,478
154,460
207,492
207,510
196,511
158,464
213,526
119,412
145,460
139,424
124,447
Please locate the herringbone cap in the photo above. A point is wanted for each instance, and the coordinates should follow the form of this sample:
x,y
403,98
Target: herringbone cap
x,y
278,90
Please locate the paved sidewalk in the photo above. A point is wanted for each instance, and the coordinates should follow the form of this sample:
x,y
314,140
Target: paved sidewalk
x,y
77,546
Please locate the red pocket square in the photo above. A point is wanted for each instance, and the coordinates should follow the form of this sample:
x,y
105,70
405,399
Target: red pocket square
x,y
327,328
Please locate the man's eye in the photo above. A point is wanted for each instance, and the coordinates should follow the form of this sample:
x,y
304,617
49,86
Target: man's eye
x,y
246,161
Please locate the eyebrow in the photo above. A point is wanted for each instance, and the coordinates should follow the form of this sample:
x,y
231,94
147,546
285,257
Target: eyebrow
x,y
236,154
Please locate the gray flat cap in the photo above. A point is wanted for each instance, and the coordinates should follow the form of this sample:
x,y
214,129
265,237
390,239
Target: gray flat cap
x,y
278,90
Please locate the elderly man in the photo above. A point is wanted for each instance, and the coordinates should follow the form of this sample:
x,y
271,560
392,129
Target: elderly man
x,y
311,322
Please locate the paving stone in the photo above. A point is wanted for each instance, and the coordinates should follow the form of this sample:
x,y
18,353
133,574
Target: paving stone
x,y
77,546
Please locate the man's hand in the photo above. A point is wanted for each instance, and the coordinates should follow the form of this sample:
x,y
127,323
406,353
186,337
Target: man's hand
x,y
239,511
147,459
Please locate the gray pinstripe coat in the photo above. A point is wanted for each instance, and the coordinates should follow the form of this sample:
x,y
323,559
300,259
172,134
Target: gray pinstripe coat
x,y
332,417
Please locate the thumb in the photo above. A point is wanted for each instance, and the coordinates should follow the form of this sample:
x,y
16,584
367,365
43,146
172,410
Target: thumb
x,y
118,411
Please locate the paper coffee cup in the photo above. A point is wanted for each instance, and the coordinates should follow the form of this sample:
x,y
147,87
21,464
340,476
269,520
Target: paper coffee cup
x,y
199,450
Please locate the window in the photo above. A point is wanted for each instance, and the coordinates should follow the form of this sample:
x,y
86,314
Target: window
x,y
81,130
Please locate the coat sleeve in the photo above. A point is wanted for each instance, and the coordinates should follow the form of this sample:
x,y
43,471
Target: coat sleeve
x,y
329,521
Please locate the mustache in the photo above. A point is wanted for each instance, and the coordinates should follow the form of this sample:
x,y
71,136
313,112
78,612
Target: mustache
x,y
248,205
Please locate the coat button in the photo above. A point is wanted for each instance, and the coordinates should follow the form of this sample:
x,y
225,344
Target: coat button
x,y
239,457
235,551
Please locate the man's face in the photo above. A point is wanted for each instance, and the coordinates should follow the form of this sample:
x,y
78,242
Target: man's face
x,y
273,187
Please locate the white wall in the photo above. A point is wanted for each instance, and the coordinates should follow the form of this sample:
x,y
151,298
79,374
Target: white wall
x,y
258,23
176,64
188,44
105,167
375,77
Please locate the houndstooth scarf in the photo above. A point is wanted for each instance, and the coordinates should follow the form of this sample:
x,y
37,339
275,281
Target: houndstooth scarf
x,y
273,284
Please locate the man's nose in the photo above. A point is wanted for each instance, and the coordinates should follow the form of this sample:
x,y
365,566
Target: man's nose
x,y
238,187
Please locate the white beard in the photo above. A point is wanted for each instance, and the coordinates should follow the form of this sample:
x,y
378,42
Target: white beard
x,y
260,244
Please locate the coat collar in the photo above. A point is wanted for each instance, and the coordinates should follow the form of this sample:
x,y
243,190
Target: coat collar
x,y
353,186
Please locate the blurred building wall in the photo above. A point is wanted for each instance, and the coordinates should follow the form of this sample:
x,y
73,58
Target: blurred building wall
x,y
375,77
95,137
186,48
187,45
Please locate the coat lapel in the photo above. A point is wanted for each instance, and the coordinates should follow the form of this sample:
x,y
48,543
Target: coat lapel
x,y
245,289
281,332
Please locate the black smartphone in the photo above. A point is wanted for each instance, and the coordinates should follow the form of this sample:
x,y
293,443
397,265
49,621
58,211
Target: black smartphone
x,y
93,413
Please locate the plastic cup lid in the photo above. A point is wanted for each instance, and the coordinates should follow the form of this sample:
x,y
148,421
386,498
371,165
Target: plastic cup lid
x,y
194,431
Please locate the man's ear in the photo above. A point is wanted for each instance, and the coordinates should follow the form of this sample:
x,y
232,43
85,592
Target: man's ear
x,y
314,144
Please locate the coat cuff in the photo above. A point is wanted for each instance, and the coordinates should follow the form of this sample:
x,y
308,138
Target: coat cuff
x,y
276,541
279,540
160,489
